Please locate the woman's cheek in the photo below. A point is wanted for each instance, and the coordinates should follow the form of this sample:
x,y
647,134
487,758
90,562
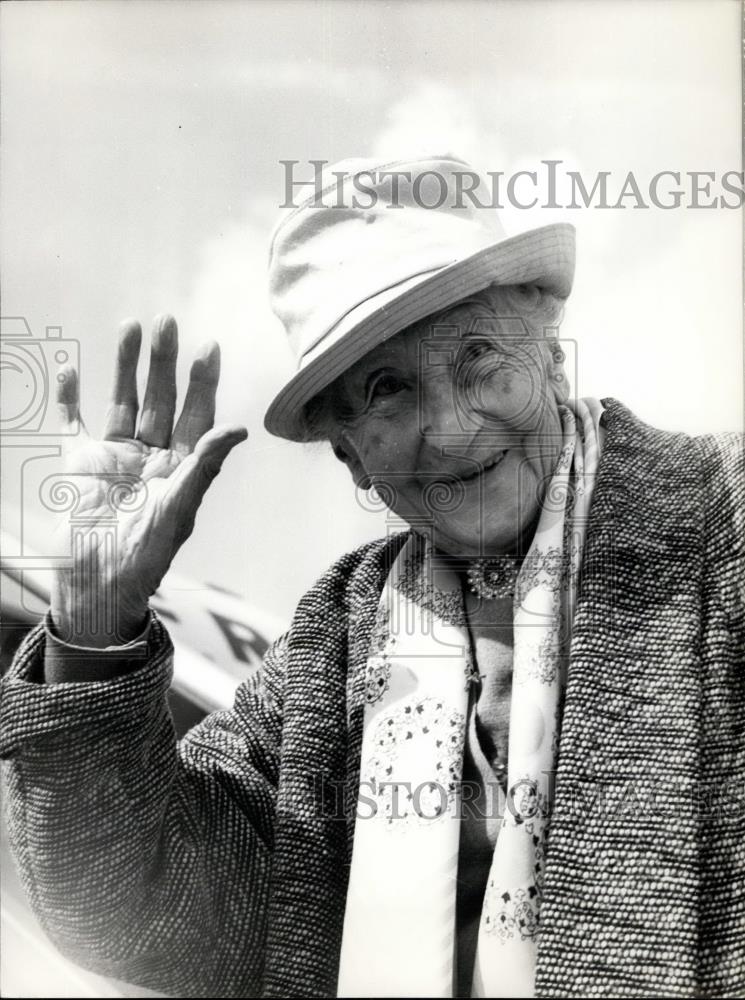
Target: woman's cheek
x,y
545,444
379,451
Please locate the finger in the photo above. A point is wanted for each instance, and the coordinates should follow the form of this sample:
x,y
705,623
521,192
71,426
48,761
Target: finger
x,y
156,419
198,412
121,415
191,480
67,400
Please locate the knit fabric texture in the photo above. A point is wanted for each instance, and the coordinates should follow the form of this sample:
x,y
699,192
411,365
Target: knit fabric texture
x,y
218,866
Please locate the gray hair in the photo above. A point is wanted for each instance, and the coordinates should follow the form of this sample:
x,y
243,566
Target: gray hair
x,y
539,311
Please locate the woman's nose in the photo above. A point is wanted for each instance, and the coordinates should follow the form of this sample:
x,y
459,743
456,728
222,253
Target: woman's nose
x,y
458,409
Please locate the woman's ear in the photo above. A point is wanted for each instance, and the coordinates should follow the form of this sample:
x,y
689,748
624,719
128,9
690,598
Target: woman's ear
x,y
346,452
557,378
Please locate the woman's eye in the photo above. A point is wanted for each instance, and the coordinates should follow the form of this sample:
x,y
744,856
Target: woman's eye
x,y
386,385
475,349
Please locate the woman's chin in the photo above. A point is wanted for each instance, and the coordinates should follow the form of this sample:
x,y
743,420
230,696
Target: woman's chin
x,y
494,537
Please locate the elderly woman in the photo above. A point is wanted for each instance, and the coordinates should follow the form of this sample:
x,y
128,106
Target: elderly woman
x,y
499,754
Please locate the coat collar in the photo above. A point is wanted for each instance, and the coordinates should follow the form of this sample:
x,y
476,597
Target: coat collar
x,y
327,650
621,884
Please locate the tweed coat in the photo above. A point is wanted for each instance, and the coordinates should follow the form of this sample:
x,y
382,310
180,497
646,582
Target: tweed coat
x,y
218,867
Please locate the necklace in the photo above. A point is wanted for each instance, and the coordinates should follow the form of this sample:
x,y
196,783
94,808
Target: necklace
x,y
493,576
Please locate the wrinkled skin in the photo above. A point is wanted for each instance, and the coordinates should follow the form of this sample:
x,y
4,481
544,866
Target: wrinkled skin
x,y
458,432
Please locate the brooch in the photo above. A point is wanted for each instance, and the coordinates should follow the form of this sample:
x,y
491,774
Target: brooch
x,y
493,576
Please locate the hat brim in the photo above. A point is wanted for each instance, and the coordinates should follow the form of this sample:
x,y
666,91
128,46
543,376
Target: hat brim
x,y
544,257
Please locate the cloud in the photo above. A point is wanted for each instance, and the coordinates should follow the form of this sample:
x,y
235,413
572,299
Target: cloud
x,y
434,118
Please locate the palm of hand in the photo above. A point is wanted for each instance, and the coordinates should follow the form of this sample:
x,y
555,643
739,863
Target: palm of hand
x,y
136,497
125,498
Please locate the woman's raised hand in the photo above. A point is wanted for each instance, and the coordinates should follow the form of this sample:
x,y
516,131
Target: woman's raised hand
x,y
154,473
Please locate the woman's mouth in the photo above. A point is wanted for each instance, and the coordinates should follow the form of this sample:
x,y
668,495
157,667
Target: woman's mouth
x,y
486,466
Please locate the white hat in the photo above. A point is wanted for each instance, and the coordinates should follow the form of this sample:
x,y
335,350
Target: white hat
x,y
379,246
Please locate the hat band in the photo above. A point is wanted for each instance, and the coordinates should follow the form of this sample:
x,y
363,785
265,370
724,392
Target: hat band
x,y
310,348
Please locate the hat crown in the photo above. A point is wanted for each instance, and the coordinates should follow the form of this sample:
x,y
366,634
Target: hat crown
x,y
368,226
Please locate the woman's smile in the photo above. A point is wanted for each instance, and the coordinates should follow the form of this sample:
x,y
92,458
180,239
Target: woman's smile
x,y
483,469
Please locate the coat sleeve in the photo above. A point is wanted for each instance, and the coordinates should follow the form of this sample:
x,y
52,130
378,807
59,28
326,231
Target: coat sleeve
x,y
144,858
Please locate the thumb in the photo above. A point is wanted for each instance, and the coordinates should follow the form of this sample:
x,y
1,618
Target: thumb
x,y
216,444
196,472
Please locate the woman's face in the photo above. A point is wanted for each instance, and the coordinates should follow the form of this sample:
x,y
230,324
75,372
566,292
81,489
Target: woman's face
x,y
457,427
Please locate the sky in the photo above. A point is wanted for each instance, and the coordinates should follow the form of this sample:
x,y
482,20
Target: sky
x,y
140,163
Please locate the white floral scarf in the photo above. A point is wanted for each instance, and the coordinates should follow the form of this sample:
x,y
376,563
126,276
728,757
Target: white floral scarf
x,y
399,923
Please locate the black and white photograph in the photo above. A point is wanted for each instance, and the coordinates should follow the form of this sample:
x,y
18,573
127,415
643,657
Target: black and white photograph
x,y
372,498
